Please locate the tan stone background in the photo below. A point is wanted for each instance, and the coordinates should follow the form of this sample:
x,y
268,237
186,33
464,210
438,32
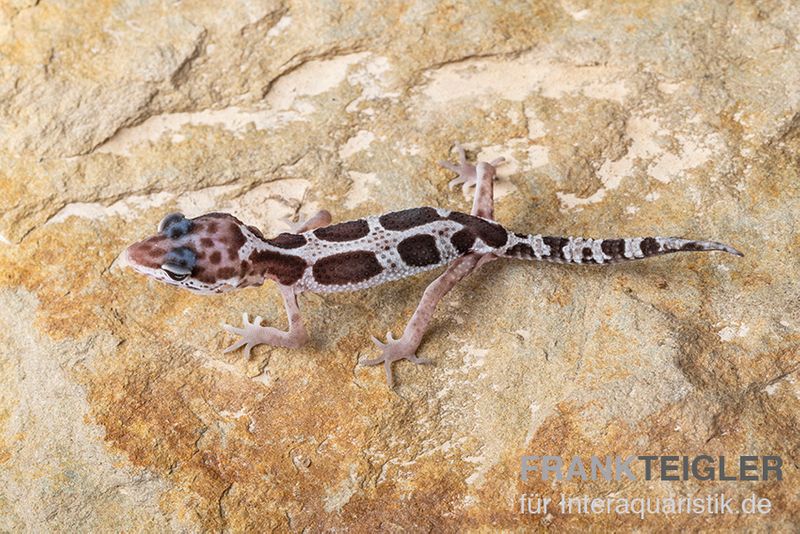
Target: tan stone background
x,y
118,411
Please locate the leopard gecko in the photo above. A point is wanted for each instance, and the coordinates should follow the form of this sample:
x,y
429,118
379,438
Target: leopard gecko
x,y
216,253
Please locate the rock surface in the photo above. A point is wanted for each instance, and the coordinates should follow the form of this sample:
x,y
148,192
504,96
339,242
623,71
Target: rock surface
x,y
118,410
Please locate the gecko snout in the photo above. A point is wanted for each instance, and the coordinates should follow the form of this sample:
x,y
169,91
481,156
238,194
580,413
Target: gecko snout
x,y
200,254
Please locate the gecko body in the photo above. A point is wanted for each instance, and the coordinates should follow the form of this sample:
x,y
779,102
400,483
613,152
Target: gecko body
x,y
216,253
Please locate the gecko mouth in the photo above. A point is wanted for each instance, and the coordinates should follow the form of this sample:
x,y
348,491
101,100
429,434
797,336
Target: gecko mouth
x,y
124,261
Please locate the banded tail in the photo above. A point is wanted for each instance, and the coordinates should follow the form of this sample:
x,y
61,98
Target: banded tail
x,y
602,251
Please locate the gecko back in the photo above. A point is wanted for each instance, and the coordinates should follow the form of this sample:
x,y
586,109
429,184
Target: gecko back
x,y
215,252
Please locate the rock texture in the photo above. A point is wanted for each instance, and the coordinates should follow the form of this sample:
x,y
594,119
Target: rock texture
x,y
118,410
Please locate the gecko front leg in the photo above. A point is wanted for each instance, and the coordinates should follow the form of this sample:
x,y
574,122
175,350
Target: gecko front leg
x,y
318,220
482,176
253,334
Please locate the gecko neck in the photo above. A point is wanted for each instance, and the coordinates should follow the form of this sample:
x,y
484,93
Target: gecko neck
x,y
278,258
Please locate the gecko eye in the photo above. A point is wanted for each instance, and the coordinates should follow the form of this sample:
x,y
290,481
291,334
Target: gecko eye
x,y
176,272
175,276
179,262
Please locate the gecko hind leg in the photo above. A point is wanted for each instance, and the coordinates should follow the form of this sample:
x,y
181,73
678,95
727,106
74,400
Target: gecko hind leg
x,y
405,348
481,176
252,333
318,220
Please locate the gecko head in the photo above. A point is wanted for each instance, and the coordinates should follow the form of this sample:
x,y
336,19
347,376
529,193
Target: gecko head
x,y
207,254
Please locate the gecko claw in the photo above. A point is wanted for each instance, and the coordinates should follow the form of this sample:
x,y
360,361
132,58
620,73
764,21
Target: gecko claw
x,y
393,350
377,343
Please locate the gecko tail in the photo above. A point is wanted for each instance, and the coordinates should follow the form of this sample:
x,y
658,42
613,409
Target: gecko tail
x,y
579,250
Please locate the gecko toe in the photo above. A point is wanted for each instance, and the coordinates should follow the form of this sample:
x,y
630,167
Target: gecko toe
x,y
387,367
370,362
464,182
462,154
420,361
450,166
235,346
249,334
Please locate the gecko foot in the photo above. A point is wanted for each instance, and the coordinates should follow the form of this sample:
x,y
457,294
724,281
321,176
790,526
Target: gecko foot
x,y
393,350
253,334
318,220
467,173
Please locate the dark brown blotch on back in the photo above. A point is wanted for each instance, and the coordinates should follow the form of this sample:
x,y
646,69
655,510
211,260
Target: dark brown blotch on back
x,y
463,240
346,231
256,231
556,245
520,250
234,239
346,268
215,257
285,268
693,247
615,248
490,233
237,237
649,246
207,242
286,240
419,250
410,218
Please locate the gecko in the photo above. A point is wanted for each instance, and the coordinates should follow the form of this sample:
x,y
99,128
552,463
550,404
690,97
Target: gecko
x,y
217,253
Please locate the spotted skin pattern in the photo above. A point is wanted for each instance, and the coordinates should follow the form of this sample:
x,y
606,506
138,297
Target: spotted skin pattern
x,y
216,253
